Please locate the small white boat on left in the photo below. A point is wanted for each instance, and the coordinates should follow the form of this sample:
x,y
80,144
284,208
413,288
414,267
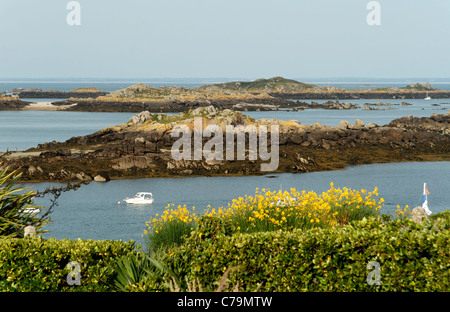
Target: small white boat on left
x,y
140,198
31,211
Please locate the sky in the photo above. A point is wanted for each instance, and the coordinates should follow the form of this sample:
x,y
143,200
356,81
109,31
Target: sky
x,y
224,38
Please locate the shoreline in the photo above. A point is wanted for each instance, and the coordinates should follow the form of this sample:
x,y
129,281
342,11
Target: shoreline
x,y
269,175
46,106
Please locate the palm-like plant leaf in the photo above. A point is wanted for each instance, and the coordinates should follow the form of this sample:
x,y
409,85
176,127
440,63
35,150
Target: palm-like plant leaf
x,y
14,204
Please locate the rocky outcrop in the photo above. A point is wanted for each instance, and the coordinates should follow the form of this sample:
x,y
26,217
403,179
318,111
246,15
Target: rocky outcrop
x,y
99,178
334,105
173,105
11,103
360,94
142,147
54,94
436,123
141,117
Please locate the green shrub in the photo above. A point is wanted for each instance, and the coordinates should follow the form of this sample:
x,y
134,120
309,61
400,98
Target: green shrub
x,y
172,233
140,272
210,227
15,205
36,264
267,211
411,257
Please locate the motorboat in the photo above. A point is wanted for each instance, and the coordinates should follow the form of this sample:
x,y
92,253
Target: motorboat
x,y
31,211
140,198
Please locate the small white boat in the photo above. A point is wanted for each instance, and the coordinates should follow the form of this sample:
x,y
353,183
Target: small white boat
x,y
31,211
140,198
427,97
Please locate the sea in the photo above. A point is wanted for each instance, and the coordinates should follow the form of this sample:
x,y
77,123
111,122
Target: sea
x,y
94,212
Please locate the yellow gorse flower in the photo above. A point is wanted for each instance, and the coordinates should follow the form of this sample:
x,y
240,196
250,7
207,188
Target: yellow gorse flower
x,y
271,210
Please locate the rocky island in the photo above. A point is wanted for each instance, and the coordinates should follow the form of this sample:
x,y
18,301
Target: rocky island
x,y
262,94
142,147
90,92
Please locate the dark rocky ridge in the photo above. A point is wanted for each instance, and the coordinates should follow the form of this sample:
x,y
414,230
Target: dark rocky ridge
x,y
92,105
349,95
437,123
267,104
53,94
7,103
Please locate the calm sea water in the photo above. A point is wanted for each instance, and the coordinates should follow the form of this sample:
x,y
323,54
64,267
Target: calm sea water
x,y
21,130
92,212
418,107
107,85
110,85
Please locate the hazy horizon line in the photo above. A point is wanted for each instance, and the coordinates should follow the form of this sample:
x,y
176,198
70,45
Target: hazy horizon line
x,y
222,79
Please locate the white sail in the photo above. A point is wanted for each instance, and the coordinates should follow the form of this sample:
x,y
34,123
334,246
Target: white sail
x,y
425,199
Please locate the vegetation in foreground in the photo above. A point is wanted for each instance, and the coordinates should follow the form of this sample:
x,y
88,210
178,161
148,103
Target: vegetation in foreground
x,y
268,211
17,210
272,241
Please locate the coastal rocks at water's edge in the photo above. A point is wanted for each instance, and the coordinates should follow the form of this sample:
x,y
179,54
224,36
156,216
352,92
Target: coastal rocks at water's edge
x,y
439,123
142,147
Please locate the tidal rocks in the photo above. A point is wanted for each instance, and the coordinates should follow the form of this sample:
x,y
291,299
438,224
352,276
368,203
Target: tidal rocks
x,y
141,117
343,124
11,103
435,123
334,105
361,94
54,94
143,147
100,178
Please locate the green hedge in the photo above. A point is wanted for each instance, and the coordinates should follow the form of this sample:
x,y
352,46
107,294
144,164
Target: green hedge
x,y
36,264
411,258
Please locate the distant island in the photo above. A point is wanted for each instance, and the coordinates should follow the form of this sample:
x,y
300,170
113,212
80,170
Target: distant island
x,y
261,94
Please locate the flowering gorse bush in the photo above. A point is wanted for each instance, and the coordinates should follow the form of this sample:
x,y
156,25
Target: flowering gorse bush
x,y
270,210
169,228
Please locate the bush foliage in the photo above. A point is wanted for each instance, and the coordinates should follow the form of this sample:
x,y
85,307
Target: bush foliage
x,y
411,257
36,264
15,206
269,211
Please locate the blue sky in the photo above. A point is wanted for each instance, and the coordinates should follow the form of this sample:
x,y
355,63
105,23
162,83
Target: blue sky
x,y
217,38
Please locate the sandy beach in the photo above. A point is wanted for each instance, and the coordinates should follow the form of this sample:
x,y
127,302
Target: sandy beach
x,y
47,106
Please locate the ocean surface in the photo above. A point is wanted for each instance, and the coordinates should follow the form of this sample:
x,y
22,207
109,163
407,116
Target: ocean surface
x,y
21,130
93,212
110,85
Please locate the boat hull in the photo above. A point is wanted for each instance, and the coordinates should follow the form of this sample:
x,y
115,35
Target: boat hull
x,y
138,201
